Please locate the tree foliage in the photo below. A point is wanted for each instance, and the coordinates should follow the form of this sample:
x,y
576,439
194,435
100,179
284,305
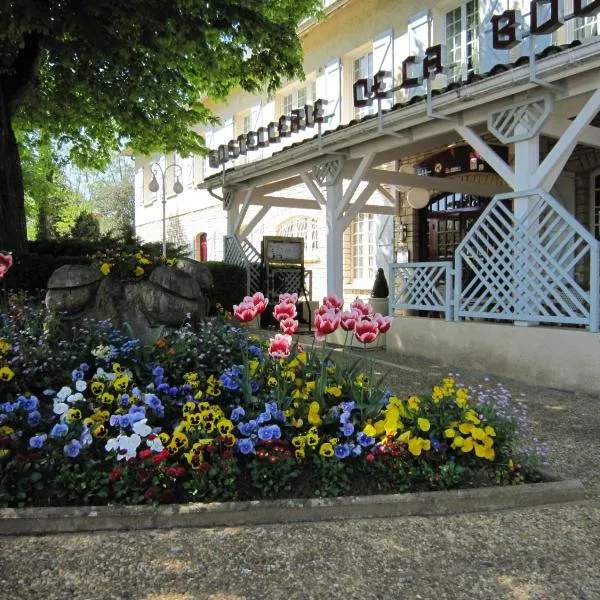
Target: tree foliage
x,y
97,74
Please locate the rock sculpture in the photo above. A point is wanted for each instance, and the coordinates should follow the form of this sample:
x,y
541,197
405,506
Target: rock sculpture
x,y
169,297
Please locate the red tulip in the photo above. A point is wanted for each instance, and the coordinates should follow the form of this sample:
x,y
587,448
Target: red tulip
x,y
348,320
384,322
280,346
6,261
259,301
362,307
332,301
245,311
284,311
366,331
288,326
326,323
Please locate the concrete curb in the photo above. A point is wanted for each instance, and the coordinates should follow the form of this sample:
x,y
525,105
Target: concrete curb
x,y
26,521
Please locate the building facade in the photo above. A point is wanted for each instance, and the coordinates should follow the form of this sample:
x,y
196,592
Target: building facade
x,y
458,149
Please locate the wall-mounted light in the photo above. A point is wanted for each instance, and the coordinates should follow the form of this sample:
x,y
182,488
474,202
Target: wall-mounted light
x,y
403,232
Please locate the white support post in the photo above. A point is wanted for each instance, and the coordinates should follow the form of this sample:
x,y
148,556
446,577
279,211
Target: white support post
x,y
243,210
232,206
527,160
362,168
309,182
256,219
359,203
489,155
335,238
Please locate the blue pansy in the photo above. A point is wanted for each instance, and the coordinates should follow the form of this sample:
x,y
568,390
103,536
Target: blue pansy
x,y
254,386
84,367
344,418
247,428
275,432
356,451
237,413
265,434
245,446
173,391
271,407
37,441
34,418
124,421
348,429
342,451
77,374
255,351
49,392
348,406
162,387
72,448
264,417
364,440
86,437
31,403
59,430
158,372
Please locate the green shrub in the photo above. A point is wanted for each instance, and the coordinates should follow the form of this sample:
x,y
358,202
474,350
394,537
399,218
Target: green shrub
x,y
229,285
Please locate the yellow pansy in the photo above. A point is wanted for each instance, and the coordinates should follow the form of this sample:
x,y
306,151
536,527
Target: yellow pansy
x,y
488,441
490,430
188,407
298,441
334,390
379,427
461,397
479,450
465,428
313,414
138,271
405,437
471,415
449,433
272,381
310,386
120,384
4,346
417,445
164,437
478,434
73,414
326,450
6,373
105,268
458,441
198,395
413,402
100,431
438,393
6,430
489,454
224,426
253,366
312,437
370,430
424,424
468,445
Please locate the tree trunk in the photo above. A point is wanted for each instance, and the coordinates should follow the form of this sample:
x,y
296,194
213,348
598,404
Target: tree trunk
x,y
13,230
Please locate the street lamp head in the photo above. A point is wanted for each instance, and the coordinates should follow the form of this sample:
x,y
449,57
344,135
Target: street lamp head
x,y
177,187
153,185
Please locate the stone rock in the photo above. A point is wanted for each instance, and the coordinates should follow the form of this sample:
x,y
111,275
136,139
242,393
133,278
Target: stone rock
x,y
170,297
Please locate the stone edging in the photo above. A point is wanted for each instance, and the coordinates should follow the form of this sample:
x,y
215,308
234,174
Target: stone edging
x,y
25,521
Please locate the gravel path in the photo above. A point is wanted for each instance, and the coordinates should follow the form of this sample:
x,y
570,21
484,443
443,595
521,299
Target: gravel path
x,y
545,553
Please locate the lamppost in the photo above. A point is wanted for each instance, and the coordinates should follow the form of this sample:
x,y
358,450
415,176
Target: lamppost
x,y
153,187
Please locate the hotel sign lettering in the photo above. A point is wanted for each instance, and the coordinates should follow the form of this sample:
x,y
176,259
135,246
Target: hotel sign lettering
x,y
507,31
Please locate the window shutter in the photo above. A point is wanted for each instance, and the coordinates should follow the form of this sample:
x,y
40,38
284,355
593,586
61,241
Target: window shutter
x,y
333,86
419,38
488,55
383,60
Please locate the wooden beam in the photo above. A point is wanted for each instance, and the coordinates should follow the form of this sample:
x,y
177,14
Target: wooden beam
x,y
358,204
365,163
313,188
443,184
555,127
272,201
256,219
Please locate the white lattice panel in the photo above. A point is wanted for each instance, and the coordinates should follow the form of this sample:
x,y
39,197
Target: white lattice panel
x,y
523,268
423,286
520,121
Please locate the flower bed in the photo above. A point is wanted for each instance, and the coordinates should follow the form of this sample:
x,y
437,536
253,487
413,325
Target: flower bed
x,y
89,416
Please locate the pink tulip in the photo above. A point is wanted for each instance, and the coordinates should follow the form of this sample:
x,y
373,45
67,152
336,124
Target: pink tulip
x,y
288,298
288,326
6,261
326,323
284,311
332,301
384,322
362,307
245,311
260,302
280,346
366,331
348,320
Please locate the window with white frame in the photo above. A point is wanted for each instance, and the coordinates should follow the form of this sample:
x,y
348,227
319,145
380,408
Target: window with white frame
x,y
305,228
362,67
595,202
585,27
247,123
462,35
363,246
306,94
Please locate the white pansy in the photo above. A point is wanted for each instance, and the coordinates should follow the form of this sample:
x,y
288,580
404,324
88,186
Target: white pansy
x,y
60,408
80,385
155,445
141,428
77,397
64,392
